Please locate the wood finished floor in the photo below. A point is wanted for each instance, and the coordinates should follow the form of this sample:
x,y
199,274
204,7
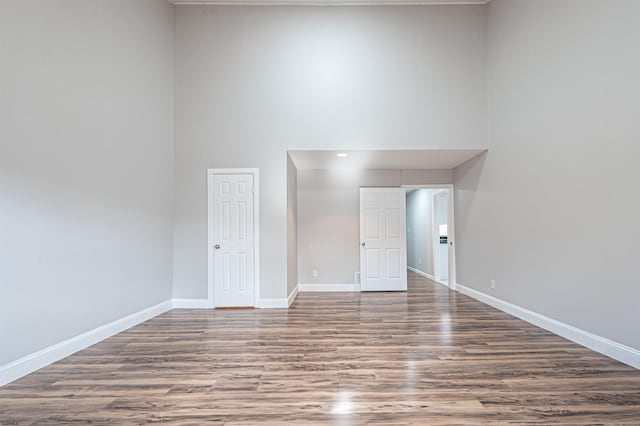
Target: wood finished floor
x,y
426,357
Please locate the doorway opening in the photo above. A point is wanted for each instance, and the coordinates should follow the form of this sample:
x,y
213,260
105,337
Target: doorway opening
x,y
430,232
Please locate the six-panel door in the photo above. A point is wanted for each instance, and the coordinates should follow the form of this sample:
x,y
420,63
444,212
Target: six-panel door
x,y
383,246
233,263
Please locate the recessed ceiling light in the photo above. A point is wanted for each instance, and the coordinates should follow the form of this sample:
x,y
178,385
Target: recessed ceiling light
x,y
342,154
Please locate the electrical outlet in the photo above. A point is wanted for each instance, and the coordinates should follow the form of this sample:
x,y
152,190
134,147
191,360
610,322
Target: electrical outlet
x,y
315,274
493,283
419,261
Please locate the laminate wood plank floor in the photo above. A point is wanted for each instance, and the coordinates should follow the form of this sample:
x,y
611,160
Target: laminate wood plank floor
x,y
429,356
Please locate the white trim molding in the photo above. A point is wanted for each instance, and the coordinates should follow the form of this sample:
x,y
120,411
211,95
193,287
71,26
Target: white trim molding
x,y
274,303
615,350
277,303
329,287
262,303
292,296
191,304
37,360
421,273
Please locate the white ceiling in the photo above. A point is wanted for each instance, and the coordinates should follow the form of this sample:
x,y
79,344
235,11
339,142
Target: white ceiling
x,y
438,159
326,2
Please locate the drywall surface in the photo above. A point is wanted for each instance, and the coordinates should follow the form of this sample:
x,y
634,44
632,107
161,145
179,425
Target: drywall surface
x,y
551,211
329,218
420,230
86,166
254,82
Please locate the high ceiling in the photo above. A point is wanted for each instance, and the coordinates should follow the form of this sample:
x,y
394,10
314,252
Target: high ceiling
x,y
326,2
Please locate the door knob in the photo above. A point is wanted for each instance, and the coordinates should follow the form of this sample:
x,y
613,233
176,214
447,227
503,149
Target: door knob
x,y
363,244
217,246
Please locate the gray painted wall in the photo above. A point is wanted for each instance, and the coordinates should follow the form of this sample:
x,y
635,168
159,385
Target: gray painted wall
x,y
329,218
86,166
420,230
551,211
253,82
292,226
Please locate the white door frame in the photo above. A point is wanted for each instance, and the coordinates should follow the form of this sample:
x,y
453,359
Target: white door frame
x,y
256,229
451,228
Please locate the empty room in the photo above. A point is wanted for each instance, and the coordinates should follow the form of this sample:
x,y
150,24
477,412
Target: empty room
x,y
330,212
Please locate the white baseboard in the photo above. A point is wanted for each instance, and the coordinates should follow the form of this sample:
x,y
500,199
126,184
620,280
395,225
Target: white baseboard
x,y
30,363
444,284
329,287
273,303
428,276
615,350
35,361
292,296
421,273
191,304
262,303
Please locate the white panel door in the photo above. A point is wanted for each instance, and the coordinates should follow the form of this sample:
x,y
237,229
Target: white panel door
x,y
233,236
383,239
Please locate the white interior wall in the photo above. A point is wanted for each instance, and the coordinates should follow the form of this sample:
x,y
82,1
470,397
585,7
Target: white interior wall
x,y
253,82
86,166
420,230
329,218
551,211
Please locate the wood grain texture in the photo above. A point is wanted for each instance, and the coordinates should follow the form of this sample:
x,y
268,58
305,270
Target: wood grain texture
x,y
426,357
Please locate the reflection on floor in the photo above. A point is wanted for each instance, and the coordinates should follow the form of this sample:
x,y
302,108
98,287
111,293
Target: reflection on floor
x,y
427,356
